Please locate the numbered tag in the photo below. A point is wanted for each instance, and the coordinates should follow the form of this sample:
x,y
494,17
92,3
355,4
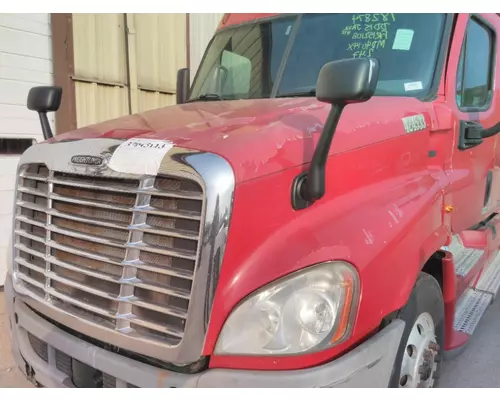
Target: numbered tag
x,y
140,156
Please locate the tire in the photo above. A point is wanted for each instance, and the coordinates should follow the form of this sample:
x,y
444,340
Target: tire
x,y
418,353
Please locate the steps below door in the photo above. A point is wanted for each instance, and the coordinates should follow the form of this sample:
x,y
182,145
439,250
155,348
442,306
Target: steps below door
x,y
464,258
476,300
489,281
470,309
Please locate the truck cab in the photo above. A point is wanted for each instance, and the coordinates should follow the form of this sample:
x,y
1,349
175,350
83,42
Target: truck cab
x,y
320,209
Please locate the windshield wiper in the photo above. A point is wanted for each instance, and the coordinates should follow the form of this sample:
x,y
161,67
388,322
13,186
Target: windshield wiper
x,y
206,97
303,93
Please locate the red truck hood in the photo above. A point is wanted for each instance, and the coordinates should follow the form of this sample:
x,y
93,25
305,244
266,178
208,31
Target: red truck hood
x,y
258,137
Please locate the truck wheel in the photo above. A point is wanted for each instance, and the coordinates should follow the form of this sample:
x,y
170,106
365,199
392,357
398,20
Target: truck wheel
x,y
420,352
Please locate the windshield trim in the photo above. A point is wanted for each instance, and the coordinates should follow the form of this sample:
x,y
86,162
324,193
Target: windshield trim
x,y
442,59
247,23
440,66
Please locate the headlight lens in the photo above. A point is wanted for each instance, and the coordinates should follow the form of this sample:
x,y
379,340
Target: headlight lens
x,y
303,312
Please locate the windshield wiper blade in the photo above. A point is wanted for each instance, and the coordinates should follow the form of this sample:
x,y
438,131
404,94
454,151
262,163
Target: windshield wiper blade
x,y
303,93
206,97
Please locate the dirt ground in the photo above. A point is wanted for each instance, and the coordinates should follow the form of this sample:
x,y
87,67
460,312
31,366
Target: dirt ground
x,y
10,375
478,366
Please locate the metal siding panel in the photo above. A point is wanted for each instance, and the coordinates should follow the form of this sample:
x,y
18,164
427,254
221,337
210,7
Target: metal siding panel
x,y
13,127
25,61
152,100
17,112
96,103
24,75
42,17
99,47
25,43
19,23
161,50
201,29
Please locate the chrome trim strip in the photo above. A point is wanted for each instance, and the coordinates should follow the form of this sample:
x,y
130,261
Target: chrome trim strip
x,y
216,177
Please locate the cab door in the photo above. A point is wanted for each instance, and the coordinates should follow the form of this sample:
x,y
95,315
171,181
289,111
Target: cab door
x,y
470,93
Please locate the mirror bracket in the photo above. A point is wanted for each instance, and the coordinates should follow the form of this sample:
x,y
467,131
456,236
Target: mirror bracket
x,y
310,185
44,121
339,83
494,130
299,192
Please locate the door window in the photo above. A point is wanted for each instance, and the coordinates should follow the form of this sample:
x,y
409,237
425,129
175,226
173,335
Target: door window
x,y
475,70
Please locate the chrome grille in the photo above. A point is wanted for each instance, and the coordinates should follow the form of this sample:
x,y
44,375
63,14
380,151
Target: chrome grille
x,y
120,253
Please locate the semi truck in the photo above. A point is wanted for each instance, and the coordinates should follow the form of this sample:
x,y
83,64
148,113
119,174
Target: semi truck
x,y
319,209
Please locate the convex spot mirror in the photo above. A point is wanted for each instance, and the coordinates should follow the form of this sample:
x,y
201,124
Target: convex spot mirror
x,y
352,80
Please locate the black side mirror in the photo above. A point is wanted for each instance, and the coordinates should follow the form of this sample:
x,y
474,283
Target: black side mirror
x,y
347,81
44,99
183,84
339,83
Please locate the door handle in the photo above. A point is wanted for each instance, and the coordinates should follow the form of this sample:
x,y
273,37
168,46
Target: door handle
x,y
470,135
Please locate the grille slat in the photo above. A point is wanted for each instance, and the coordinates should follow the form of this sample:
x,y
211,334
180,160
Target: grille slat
x,y
177,233
30,221
151,191
27,235
33,177
32,206
29,265
188,255
90,221
30,251
171,271
31,281
83,236
165,232
81,304
119,252
33,192
148,209
82,253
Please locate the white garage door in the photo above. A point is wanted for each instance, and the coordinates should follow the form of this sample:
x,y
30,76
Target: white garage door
x,y
25,61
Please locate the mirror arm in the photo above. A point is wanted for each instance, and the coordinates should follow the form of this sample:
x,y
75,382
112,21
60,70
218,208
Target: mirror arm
x,y
313,186
486,133
44,121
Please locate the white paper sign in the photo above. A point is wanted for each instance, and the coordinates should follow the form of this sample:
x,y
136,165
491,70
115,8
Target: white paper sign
x,y
140,156
403,39
409,86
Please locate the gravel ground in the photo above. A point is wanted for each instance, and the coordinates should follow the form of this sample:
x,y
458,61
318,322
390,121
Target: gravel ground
x,y
478,366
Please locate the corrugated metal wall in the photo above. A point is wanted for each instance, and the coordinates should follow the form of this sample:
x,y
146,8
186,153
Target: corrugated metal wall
x,y
125,63
161,52
25,61
201,30
100,67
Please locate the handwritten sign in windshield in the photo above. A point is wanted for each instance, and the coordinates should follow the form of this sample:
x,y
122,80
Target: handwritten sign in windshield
x,y
368,33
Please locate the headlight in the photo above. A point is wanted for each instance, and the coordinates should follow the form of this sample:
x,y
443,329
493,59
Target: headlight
x,y
303,312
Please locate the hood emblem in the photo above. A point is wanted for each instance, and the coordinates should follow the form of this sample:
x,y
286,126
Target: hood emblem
x,y
95,161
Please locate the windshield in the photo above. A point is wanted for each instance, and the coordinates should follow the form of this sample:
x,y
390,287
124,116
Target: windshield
x,y
283,56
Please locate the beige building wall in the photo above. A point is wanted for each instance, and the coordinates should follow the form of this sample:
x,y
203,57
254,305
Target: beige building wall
x,y
126,63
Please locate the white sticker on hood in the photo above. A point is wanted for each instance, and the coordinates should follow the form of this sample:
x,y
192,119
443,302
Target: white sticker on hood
x,y
140,156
